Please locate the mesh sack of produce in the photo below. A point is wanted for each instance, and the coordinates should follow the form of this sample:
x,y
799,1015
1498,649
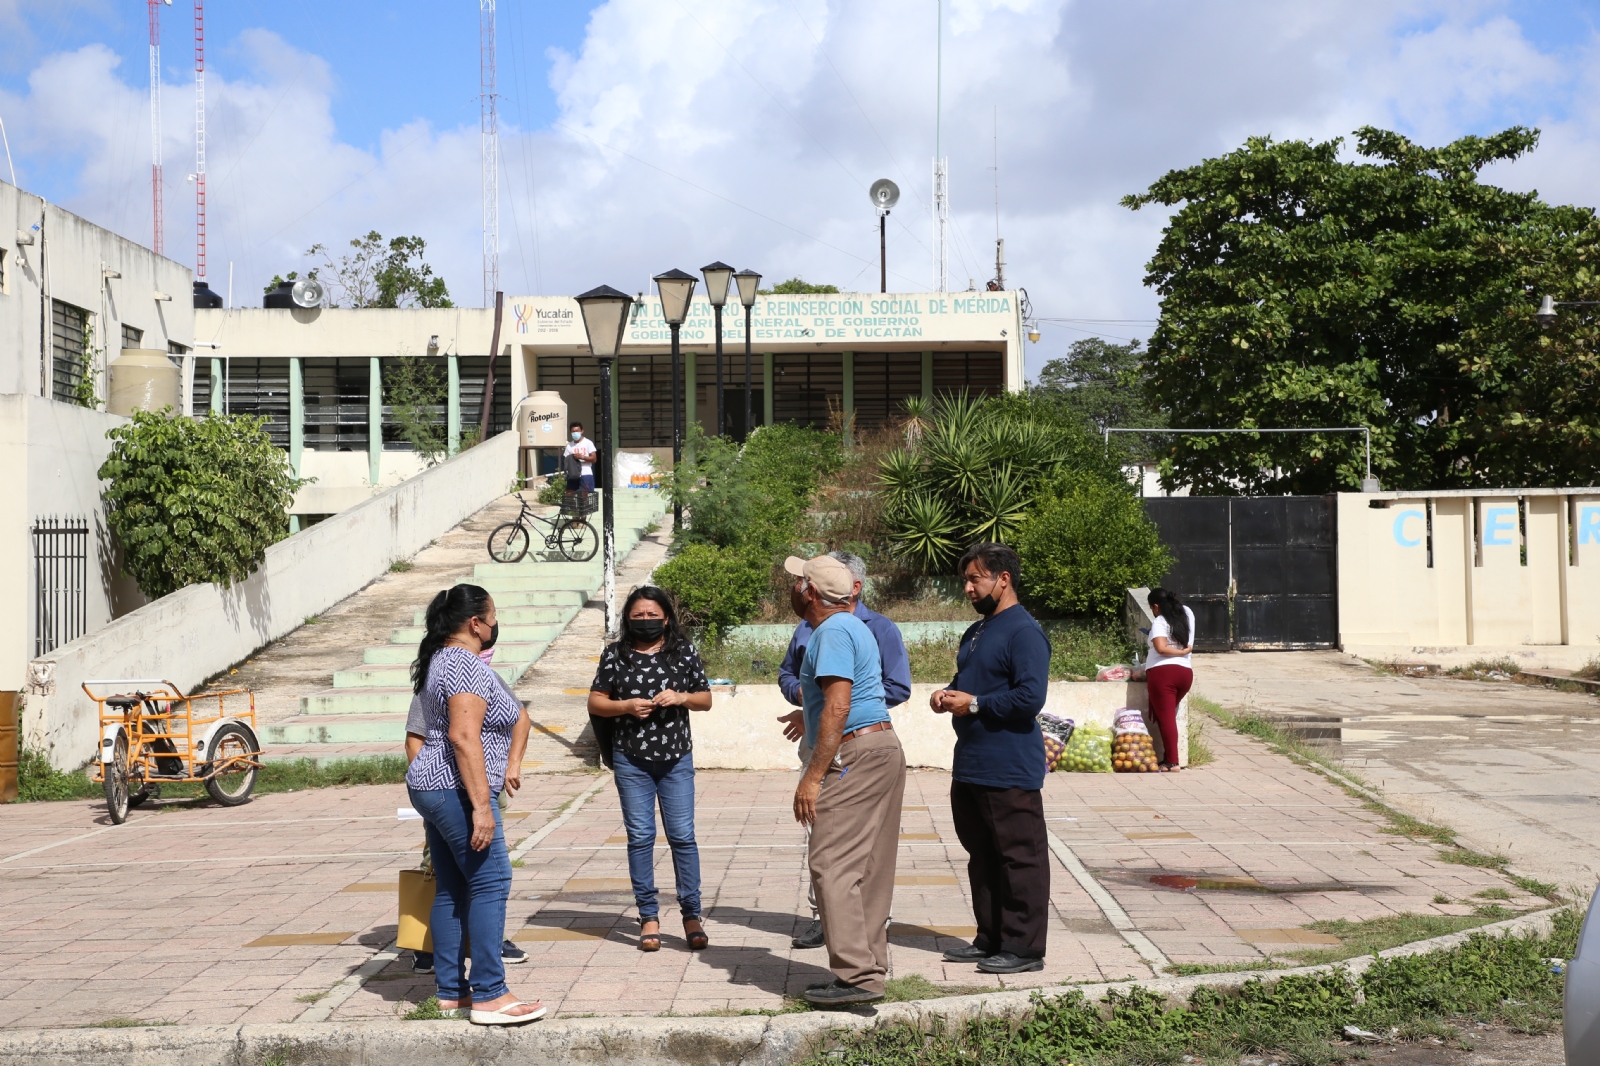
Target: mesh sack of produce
x,y
1088,752
1132,749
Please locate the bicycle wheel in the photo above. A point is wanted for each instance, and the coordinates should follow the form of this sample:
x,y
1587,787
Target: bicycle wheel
x,y
577,540
230,775
116,780
508,543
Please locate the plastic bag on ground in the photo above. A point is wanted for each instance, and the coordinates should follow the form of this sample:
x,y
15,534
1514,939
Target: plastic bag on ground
x,y
1088,752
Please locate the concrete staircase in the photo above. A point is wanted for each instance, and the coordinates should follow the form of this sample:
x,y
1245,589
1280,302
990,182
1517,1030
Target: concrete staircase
x,y
363,714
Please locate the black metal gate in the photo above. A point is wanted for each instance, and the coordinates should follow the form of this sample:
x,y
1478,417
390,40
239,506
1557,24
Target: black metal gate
x,y
1259,573
61,582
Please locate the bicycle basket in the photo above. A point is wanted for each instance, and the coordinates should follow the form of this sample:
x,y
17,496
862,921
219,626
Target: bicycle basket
x,y
579,503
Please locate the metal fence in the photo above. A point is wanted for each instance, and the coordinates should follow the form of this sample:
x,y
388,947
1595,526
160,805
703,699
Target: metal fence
x,y
61,582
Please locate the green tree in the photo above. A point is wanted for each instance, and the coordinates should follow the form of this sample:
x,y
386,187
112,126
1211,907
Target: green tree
x,y
1087,541
379,274
417,396
195,500
1099,383
1395,291
796,286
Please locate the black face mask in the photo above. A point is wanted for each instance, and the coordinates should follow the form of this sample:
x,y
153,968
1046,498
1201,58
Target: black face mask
x,y
986,605
494,635
646,630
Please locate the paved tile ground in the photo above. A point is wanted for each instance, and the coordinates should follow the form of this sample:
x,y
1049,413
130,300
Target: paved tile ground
x,y
164,918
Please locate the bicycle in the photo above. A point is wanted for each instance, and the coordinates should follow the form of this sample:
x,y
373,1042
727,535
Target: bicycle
x,y
570,533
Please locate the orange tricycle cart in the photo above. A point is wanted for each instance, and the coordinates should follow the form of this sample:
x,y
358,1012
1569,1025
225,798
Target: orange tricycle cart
x,y
151,732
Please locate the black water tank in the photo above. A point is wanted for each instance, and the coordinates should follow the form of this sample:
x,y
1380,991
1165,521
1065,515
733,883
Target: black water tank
x,y
204,297
282,296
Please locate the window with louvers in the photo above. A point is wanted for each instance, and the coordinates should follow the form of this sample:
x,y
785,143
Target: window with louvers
x,y
69,327
979,373
802,384
132,336
336,394
260,387
473,368
883,381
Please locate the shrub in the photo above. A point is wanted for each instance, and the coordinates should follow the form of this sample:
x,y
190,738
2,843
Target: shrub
x,y
1085,543
715,587
195,500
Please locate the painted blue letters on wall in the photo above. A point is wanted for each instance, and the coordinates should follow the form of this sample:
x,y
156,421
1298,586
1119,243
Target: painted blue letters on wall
x,y
1588,524
1499,523
1400,537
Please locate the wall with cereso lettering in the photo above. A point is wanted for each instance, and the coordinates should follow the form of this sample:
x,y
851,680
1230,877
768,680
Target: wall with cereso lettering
x,y
1505,568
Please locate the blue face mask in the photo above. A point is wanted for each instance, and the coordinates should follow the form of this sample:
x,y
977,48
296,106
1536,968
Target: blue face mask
x,y
577,434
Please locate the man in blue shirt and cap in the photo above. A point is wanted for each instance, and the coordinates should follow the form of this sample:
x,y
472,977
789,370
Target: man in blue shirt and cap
x,y
896,687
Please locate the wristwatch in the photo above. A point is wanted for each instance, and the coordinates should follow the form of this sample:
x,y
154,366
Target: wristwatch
x,y
975,710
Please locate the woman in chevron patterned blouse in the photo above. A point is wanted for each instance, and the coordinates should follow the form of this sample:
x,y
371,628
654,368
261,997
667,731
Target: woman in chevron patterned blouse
x,y
642,694
471,721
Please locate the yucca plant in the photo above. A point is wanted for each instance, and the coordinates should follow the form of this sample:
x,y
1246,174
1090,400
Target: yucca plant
x,y
900,473
1001,506
923,530
958,414
919,416
958,466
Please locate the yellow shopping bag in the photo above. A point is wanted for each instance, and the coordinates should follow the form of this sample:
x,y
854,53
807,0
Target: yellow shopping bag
x,y
416,904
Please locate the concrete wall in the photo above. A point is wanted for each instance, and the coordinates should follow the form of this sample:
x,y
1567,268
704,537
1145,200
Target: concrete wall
x,y
741,732
202,630
51,454
1492,569
67,261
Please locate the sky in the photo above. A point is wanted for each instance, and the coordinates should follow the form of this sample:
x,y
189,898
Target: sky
x,y
638,136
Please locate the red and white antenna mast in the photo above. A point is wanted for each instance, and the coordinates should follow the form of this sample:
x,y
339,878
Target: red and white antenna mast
x,y
200,140
155,121
489,127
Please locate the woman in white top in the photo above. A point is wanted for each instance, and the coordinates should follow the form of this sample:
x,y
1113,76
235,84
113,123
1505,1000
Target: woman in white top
x,y
1167,670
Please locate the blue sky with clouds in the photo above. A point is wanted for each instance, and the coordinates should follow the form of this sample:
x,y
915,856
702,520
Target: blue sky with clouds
x,y
641,134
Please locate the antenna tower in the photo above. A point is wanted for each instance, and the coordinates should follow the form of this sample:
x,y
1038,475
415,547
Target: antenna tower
x,y
941,172
200,140
155,124
490,128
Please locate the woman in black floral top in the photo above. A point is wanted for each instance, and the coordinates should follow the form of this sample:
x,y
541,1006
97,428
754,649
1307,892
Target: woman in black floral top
x,y
646,685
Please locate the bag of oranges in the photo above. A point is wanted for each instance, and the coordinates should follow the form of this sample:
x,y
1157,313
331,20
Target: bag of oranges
x,y
1132,749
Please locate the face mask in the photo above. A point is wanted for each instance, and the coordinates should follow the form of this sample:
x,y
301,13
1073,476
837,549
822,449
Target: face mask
x,y
494,635
646,630
577,434
987,604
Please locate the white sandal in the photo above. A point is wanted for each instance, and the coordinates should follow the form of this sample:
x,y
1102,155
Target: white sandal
x,y
500,1017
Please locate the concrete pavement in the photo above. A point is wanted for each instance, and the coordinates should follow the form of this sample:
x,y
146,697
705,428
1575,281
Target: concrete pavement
x,y
1512,767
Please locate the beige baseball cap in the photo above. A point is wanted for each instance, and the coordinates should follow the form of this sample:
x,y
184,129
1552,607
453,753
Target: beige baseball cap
x,y
826,574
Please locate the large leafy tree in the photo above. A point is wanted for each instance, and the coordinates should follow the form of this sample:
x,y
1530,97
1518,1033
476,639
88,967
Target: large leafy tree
x,y
379,273
1396,291
1098,383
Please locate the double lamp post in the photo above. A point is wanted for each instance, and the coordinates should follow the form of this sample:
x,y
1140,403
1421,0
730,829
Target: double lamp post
x,y
605,318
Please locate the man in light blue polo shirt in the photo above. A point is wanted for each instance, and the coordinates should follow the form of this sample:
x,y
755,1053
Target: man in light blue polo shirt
x,y
852,788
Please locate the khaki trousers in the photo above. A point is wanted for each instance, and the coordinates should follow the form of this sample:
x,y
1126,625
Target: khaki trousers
x,y
854,845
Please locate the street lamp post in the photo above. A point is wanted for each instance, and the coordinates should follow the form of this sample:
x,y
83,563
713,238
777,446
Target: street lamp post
x,y
605,316
717,276
748,280
1546,315
676,289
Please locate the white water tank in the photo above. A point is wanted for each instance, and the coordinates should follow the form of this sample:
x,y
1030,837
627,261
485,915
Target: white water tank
x,y
542,420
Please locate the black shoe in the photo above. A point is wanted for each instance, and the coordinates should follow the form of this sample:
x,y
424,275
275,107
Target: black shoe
x,y
510,954
422,962
967,953
810,936
839,994
1005,962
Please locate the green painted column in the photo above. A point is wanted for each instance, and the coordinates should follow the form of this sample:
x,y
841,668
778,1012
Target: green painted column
x,y
452,415
374,419
691,409
849,394
766,389
217,386
297,414
927,375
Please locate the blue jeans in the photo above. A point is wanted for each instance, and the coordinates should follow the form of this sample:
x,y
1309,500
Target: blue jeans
x,y
640,784
470,904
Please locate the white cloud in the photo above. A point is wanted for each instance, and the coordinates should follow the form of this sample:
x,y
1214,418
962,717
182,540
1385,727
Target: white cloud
x,y
749,133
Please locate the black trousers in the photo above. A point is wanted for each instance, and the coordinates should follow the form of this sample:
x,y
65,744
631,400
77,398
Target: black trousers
x,y
1008,865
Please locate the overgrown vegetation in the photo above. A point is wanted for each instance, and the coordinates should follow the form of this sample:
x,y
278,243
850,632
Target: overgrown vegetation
x,y
1297,1017
417,395
37,781
195,500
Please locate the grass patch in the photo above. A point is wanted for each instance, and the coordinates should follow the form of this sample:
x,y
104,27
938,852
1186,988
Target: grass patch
x,y
1478,668
37,784
37,780
1298,1018
426,1011
401,566
311,620
1192,969
1380,934
1492,893
915,986
1538,888
1200,752
311,997
1467,857
1589,671
125,1023
517,864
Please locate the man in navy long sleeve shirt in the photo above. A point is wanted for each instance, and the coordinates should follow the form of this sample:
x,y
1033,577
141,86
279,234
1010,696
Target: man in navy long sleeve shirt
x,y
1002,670
896,690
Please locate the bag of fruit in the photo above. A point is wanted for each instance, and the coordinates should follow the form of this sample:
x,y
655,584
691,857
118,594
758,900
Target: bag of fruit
x,y
1132,750
1088,752
1056,732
